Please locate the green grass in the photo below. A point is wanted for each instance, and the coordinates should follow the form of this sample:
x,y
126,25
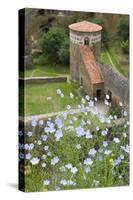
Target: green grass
x,y
112,57
46,70
36,101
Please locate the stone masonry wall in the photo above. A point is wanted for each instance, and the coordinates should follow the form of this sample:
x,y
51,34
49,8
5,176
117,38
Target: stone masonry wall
x,y
115,82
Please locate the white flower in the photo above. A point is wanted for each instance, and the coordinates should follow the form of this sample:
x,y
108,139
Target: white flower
x,y
88,122
104,133
63,182
62,95
92,152
29,133
39,142
31,146
120,104
125,113
43,164
78,146
106,102
126,149
88,161
95,98
74,170
83,100
71,96
44,156
55,160
107,96
62,169
46,182
49,153
97,128
87,97
46,148
88,135
124,135
107,152
41,122
116,140
34,161
122,156
68,107
87,169
58,91
69,166
79,106
44,137
115,117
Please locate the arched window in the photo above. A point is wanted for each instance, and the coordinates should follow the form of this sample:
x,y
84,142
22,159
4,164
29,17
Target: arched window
x,y
86,41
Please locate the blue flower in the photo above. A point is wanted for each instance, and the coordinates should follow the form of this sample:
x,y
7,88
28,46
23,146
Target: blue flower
x,y
105,143
92,152
74,170
34,123
58,122
80,131
46,148
28,156
88,161
100,158
58,134
55,160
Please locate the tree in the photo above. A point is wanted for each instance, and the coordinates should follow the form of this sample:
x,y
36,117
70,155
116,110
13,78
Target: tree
x,y
64,53
52,42
105,34
123,30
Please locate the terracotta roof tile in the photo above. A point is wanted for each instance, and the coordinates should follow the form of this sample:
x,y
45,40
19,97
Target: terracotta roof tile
x,y
91,66
85,26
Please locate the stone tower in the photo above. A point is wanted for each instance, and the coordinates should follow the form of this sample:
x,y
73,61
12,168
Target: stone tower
x,y
85,46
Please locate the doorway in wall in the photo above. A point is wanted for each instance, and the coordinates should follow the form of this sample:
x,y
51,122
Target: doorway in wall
x,y
99,94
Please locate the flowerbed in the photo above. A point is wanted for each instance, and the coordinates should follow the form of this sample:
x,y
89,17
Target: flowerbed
x,y
75,150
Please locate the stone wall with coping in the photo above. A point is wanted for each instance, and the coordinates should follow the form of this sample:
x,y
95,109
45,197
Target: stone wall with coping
x,y
40,80
115,82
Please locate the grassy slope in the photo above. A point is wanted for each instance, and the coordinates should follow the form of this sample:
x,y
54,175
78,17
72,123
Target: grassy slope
x,y
112,57
36,101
